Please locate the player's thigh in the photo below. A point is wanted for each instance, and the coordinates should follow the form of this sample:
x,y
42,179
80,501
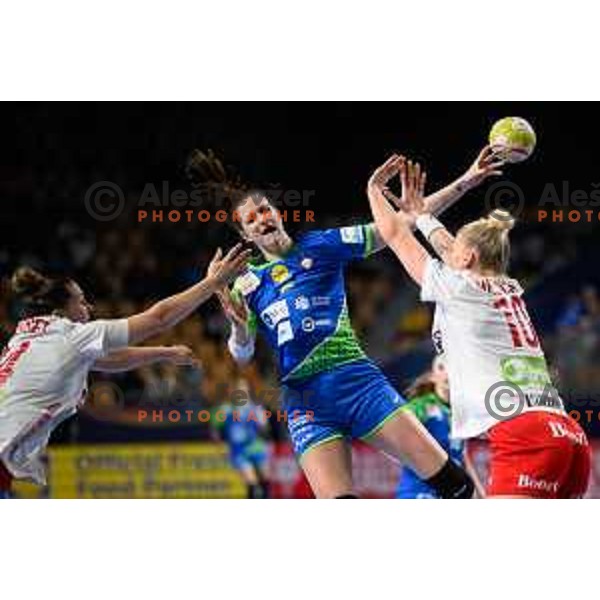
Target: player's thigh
x,y
328,468
404,438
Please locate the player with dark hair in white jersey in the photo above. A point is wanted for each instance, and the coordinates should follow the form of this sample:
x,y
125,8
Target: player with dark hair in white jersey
x,y
44,367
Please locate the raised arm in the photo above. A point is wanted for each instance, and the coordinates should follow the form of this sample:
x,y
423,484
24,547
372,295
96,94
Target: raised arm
x,y
396,227
165,314
487,164
129,359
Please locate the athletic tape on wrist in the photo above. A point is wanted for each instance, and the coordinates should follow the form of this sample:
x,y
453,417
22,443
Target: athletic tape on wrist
x,y
427,224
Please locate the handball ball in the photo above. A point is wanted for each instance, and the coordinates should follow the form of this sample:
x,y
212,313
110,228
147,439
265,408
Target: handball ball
x,y
513,139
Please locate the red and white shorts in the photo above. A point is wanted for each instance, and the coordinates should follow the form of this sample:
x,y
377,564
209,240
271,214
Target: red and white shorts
x,y
539,454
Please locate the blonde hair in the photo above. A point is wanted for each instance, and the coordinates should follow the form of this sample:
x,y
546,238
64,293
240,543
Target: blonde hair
x,y
489,237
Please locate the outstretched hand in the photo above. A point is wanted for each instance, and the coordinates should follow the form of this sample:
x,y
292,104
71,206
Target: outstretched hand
x,y
225,269
487,164
413,179
383,174
182,356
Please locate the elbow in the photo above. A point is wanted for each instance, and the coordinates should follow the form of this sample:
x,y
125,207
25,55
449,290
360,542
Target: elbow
x,y
160,320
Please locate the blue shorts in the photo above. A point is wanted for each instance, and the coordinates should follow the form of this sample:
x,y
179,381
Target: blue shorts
x,y
351,401
244,458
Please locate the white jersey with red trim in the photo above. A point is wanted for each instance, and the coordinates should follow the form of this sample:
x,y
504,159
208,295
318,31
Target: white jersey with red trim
x,y
43,380
482,327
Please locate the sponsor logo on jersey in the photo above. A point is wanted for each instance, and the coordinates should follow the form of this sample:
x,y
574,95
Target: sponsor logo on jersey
x,y
526,371
352,235
321,301
280,273
247,283
275,313
308,324
302,303
307,263
284,333
323,322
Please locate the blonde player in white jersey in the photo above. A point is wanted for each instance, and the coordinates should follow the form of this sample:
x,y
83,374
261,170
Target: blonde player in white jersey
x,y
44,368
497,370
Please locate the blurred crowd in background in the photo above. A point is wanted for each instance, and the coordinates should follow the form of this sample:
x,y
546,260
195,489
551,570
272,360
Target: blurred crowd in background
x,y
128,265
58,151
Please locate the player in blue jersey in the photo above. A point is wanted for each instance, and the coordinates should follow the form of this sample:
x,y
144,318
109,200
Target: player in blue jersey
x,y
331,390
428,400
242,427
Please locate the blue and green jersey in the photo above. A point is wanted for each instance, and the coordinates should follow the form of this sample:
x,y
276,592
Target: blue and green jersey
x,y
298,302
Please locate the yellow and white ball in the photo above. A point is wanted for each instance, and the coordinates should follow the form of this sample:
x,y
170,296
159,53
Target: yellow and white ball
x,y
513,139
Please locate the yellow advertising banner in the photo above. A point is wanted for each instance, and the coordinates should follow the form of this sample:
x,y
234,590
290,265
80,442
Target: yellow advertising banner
x,y
184,470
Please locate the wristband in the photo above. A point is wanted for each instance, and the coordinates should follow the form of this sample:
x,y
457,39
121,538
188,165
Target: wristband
x,y
427,224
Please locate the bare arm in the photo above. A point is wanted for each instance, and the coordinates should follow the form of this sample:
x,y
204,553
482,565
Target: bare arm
x,y
165,314
129,359
486,165
395,227
441,240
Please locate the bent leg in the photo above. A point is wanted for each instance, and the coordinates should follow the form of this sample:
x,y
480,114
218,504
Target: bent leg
x,y
404,438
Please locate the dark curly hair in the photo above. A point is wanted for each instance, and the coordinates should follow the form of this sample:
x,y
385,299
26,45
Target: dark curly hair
x,y
219,184
36,294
